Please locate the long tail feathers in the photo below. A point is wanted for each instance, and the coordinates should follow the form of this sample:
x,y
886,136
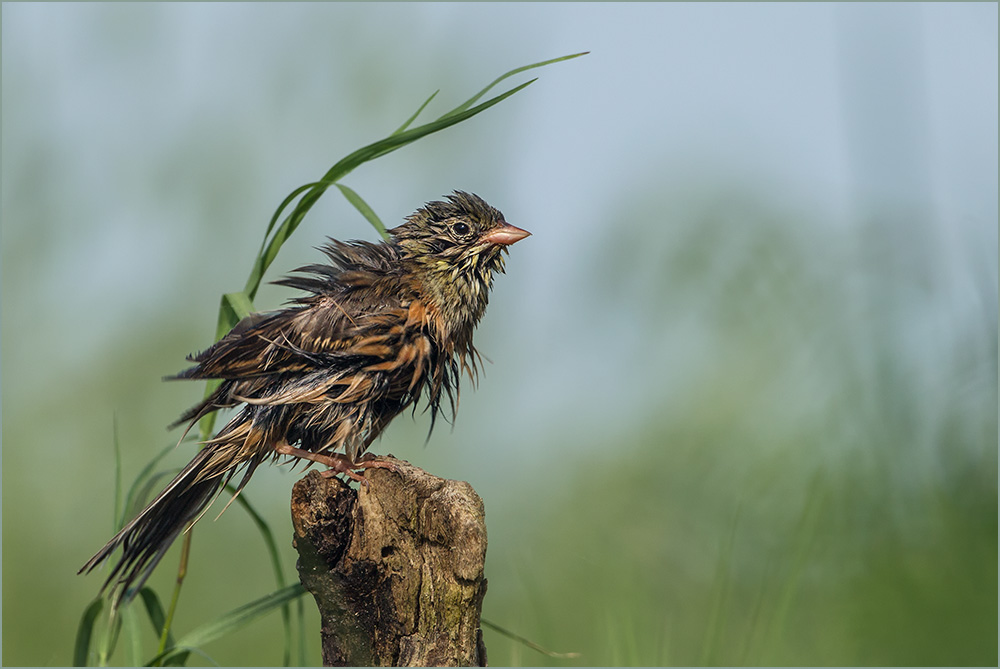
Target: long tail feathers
x,y
145,540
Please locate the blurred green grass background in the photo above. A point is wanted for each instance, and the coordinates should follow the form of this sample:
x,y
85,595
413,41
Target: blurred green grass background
x,y
742,406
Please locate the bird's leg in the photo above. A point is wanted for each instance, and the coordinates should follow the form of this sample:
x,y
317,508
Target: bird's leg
x,y
367,459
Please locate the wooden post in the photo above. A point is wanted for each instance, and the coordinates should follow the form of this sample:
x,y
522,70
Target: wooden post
x,y
396,567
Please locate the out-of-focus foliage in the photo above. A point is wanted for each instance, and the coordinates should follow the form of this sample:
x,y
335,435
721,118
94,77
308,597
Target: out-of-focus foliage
x,y
791,507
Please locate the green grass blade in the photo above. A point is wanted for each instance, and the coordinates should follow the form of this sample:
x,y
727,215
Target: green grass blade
x,y
233,307
232,621
468,103
148,489
132,637
416,114
266,534
179,659
176,657
365,210
239,304
344,167
310,193
525,642
300,610
85,632
139,489
155,611
119,510
277,216
721,598
207,422
807,531
275,556
241,617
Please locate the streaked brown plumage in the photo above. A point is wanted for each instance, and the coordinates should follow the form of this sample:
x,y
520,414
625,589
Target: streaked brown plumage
x,y
381,326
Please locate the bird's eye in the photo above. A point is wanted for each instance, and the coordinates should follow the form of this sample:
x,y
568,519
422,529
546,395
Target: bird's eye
x,y
461,229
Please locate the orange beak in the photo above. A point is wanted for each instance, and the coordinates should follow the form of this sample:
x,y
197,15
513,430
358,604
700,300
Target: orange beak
x,y
505,235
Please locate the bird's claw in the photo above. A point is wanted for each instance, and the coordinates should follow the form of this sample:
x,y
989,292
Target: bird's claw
x,y
368,461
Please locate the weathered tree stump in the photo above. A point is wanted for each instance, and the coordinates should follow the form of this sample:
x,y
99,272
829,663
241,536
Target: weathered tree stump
x,y
396,567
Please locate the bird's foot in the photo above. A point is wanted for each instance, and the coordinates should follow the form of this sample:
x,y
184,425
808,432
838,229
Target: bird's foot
x,y
368,461
337,463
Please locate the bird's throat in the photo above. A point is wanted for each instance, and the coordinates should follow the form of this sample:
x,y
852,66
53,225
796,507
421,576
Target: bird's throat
x,y
459,295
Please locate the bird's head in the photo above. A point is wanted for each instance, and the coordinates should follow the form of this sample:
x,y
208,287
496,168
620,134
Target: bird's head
x,y
454,247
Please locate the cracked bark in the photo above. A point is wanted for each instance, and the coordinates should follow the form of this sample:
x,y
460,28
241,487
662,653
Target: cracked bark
x,y
396,567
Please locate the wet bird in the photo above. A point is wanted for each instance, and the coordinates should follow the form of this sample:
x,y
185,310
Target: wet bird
x,y
379,327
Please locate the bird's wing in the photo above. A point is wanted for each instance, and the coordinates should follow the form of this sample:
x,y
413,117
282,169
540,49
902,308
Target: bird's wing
x,y
350,300
347,321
